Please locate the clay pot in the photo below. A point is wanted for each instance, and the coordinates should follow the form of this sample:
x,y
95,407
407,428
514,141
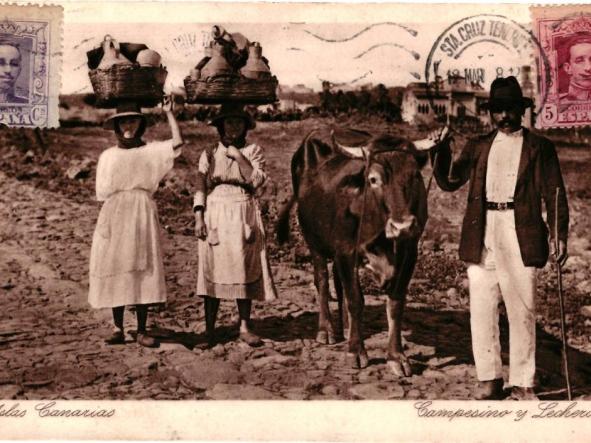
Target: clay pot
x,y
111,54
255,67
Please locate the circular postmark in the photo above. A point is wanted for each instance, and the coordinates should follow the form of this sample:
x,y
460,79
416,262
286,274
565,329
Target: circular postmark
x,y
470,53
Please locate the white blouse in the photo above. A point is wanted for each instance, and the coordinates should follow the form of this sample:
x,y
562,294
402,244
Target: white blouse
x,y
121,169
227,169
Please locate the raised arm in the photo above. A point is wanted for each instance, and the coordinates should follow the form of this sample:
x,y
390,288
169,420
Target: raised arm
x,y
177,138
450,176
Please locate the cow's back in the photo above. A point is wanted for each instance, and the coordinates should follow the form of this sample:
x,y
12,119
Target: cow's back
x,y
321,178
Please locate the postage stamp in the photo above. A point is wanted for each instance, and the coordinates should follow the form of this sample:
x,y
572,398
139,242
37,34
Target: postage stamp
x,y
30,64
564,33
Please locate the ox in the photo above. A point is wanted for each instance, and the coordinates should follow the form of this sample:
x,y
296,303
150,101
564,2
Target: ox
x,y
334,191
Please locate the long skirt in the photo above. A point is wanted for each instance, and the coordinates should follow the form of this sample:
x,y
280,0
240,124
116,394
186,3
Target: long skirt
x,y
233,259
126,257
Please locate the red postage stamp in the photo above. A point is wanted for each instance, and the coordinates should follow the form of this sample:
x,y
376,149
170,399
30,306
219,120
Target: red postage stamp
x,y
564,33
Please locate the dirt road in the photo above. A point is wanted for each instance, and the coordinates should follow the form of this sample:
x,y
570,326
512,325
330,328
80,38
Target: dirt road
x,y
51,342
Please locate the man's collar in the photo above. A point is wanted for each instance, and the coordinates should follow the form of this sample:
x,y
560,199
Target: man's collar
x,y
577,92
511,136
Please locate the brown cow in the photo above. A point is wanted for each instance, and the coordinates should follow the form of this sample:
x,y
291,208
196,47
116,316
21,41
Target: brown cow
x,y
329,187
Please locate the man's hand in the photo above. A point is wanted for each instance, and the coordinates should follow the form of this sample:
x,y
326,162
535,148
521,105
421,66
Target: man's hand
x,y
200,228
562,255
432,140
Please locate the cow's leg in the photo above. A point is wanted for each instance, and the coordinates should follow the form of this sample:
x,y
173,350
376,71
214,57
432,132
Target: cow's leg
x,y
342,319
356,355
325,333
405,264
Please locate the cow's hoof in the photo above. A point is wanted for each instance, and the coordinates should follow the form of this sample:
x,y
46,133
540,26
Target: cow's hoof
x,y
325,338
399,366
357,360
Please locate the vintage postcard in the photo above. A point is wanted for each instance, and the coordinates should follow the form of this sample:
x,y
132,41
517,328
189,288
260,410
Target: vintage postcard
x,y
295,222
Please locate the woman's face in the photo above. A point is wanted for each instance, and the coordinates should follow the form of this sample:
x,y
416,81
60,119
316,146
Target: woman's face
x,y
129,126
234,127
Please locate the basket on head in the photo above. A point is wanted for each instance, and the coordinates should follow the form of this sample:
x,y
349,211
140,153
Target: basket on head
x,y
233,71
121,77
231,89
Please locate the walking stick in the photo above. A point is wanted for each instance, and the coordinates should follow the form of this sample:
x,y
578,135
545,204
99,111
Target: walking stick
x,y
561,299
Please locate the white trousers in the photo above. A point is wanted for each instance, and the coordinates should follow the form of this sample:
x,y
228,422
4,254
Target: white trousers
x,y
502,273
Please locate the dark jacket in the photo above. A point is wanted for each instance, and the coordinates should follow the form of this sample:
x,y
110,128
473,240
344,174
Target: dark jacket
x,y
537,179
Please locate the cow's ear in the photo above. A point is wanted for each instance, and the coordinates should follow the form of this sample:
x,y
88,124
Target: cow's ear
x,y
352,185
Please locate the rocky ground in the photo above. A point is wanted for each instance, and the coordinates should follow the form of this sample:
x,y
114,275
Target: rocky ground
x,y
51,342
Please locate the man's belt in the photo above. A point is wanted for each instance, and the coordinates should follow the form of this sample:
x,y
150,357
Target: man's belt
x,y
503,206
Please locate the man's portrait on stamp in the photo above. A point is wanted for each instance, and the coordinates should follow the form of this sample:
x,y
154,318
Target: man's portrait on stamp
x,y
574,66
14,69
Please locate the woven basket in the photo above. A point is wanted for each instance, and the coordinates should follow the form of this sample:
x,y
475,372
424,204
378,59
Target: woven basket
x,y
231,89
128,82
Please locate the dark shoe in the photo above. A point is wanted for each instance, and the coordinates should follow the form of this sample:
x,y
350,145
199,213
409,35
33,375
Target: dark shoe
x,y
147,341
490,390
117,338
210,341
251,339
523,394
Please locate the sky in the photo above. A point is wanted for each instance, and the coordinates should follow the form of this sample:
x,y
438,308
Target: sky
x,y
373,50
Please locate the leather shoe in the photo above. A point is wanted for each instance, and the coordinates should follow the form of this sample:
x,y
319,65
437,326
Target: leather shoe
x,y
523,394
490,390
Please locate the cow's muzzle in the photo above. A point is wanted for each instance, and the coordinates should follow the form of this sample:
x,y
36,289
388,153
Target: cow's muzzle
x,y
408,227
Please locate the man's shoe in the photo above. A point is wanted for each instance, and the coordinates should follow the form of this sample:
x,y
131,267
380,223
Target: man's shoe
x,y
490,390
523,394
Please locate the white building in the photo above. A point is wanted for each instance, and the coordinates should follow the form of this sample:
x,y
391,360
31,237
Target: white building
x,y
422,103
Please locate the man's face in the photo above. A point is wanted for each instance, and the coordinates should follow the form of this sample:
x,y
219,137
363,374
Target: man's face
x,y
10,67
507,118
579,65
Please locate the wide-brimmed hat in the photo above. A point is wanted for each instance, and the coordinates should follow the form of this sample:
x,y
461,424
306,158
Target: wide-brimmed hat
x,y
124,109
233,110
505,93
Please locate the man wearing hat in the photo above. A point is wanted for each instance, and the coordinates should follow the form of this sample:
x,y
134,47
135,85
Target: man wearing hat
x,y
504,237
578,68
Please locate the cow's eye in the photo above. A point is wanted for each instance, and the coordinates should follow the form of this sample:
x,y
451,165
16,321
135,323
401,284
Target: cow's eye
x,y
374,180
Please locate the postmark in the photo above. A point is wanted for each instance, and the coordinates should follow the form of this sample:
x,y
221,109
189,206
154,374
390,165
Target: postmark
x,y
565,36
30,64
470,53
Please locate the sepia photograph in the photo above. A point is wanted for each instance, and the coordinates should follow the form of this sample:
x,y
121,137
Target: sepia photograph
x,y
352,212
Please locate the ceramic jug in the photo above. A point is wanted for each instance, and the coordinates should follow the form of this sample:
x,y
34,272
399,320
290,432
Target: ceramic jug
x,y
111,54
255,67
217,65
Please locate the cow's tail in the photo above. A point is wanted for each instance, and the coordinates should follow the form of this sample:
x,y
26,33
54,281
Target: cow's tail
x,y
282,226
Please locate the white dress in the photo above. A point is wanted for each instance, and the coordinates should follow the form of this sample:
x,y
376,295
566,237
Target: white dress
x,y
126,258
233,260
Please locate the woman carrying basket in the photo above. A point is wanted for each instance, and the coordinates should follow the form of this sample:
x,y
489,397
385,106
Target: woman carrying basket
x,y
232,255
126,257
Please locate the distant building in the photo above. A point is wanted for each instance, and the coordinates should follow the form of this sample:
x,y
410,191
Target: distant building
x,y
456,97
